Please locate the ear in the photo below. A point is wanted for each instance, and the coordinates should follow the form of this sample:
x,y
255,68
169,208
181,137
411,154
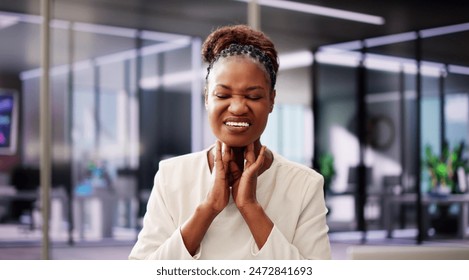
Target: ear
x,y
272,100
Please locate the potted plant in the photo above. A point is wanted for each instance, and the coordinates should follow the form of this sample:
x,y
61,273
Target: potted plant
x,y
442,169
443,176
327,169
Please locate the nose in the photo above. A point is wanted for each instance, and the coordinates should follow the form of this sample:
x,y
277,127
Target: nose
x,y
238,106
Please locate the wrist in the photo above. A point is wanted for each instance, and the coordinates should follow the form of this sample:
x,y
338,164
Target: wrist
x,y
207,211
250,208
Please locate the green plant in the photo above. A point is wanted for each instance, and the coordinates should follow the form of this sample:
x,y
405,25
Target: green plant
x,y
442,169
327,169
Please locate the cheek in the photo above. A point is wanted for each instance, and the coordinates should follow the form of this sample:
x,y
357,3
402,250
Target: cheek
x,y
210,105
264,110
213,109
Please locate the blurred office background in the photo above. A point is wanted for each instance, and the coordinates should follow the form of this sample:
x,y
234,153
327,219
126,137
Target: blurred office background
x,y
365,91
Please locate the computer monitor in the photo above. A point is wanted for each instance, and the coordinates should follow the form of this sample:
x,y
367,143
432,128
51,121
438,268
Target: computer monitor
x,y
8,121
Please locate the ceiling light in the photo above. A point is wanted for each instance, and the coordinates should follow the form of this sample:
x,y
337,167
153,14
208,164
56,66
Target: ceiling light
x,y
396,38
319,10
444,30
341,47
22,17
7,21
105,30
383,65
350,59
112,58
456,69
390,39
380,62
168,80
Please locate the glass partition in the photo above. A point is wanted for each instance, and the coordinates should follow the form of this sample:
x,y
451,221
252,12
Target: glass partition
x,y
415,98
114,92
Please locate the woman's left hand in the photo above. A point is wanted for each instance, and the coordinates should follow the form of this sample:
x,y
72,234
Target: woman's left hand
x,y
243,190
245,183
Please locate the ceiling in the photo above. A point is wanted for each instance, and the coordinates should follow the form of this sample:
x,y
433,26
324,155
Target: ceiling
x,y
291,31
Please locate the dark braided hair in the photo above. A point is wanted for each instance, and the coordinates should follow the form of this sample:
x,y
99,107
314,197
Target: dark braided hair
x,y
241,40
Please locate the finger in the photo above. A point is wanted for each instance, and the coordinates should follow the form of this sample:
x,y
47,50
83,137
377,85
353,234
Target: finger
x,y
218,161
262,154
214,152
260,159
234,170
227,155
249,155
217,155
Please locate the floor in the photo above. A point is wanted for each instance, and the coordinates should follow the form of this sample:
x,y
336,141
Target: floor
x,y
26,245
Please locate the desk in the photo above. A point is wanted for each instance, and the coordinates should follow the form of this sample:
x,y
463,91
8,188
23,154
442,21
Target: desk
x,y
58,203
411,199
344,209
9,193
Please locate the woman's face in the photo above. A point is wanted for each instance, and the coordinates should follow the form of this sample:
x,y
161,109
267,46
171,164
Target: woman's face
x,y
238,100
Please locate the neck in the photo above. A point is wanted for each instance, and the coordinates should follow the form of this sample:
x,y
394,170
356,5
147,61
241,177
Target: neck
x,y
238,154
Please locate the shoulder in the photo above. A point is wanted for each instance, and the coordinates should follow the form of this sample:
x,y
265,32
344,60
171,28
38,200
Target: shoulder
x,y
180,170
295,171
183,160
295,183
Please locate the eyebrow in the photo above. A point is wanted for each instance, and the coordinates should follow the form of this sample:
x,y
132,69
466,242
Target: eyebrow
x,y
250,88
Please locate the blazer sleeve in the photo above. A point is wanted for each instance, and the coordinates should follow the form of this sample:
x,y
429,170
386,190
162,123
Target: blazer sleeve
x,y
160,238
310,240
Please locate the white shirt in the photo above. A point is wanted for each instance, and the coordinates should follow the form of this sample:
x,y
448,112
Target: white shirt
x,y
291,195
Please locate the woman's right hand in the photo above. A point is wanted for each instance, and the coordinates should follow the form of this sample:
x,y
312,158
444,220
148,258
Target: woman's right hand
x,y
219,195
194,229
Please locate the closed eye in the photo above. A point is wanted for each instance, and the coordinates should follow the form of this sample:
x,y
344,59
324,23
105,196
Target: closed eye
x,y
254,97
222,96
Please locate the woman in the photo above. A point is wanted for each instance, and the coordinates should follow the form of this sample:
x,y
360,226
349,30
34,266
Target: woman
x,y
236,199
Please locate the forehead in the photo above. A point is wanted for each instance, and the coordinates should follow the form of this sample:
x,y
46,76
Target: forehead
x,y
238,65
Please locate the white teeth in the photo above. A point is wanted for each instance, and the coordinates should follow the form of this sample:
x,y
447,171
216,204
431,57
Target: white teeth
x,y
241,124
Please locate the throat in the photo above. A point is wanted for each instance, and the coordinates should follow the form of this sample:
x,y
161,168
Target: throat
x,y
238,154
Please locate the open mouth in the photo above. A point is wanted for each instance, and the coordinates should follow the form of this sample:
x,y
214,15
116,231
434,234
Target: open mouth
x,y
237,124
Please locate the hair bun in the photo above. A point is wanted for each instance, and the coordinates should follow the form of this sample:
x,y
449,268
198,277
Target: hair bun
x,y
223,37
